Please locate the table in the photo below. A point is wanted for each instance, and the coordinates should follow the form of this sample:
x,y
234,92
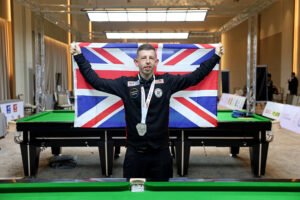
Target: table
x,y
153,190
55,129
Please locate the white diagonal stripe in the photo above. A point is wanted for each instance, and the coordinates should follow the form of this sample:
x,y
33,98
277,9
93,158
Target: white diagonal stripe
x,y
96,45
109,116
121,55
189,114
201,107
93,92
94,111
193,57
173,56
180,68
196,93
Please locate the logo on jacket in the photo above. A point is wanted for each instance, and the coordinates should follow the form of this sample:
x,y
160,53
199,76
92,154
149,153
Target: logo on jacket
x,y
133,83
133,92
158,92
159,81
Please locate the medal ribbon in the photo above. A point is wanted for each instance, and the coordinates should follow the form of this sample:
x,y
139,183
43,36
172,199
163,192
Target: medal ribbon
x,y
145,103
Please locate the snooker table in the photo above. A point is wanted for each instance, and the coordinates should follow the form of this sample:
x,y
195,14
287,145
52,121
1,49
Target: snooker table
x,y
56,129
152,190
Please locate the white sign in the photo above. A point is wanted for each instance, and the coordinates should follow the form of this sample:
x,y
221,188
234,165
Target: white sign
x,y
231,101
290,118
273,110
13,109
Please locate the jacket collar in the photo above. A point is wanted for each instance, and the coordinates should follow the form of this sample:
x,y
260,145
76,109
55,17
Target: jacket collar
x,y
144,81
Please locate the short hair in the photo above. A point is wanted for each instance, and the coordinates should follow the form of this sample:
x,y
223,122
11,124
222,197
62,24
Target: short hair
x,y
293,73
145,47
269,75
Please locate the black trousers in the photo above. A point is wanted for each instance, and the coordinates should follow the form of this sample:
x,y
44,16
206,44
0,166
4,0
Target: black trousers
x,y
154,166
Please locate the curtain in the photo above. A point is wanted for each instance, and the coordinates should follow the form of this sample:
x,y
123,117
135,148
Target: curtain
x,y
55,63
4,60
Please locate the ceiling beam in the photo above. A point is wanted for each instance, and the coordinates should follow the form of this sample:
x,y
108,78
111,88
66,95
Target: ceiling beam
x,y
252,10
60,23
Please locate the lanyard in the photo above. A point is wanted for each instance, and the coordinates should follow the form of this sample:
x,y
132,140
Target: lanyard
x,y
146,103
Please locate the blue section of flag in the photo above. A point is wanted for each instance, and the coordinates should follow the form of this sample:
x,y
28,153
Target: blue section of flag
x,y
168,52
177,120
204,58
87,102
209,103
121,45
91,57
180,46
117,120
131,52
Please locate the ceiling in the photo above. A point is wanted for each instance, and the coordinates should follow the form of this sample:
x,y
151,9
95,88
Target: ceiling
x,y
222,16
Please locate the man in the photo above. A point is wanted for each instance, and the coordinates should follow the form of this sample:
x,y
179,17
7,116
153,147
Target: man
x,y
146,99
293,84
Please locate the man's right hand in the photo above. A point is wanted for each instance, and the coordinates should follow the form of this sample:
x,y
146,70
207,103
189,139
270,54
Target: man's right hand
x,y
75,49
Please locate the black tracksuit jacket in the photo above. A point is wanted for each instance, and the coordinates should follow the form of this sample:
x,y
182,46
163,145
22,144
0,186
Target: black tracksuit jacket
x,y
157,119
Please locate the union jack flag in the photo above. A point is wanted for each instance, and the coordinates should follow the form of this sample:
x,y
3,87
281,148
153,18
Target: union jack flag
x,y
192,107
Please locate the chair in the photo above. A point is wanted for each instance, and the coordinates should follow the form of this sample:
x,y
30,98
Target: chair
x,y
63,101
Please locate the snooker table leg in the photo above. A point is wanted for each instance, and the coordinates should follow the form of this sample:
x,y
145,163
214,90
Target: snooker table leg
x,y
106,153
258,157
234,150
182,149
24,154
56,150
34,152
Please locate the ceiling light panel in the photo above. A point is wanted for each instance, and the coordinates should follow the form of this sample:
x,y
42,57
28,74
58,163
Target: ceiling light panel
x,y
176,15
134,16
157,16
196,15
117,16
98,16
150,16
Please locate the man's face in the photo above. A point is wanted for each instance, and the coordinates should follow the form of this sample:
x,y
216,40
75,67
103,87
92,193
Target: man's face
x,y
146,61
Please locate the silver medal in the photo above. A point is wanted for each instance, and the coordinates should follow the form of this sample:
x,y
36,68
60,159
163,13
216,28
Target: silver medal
x,y
141,129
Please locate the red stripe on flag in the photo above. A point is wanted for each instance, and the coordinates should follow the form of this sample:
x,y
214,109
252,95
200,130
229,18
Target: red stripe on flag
x,y
207,46
196,110
155,45
84,44
181,56
108,56
103,114
108,74
210,82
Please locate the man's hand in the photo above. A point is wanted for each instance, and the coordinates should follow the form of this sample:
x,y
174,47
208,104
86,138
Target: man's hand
x,y
75,49
219,50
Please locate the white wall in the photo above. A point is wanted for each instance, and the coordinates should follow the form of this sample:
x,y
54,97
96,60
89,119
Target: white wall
x,y
275,45
276,35
23,52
